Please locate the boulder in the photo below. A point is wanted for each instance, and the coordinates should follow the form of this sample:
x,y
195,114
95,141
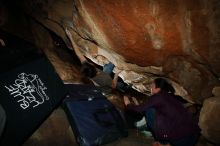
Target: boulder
x,y
216,91
210,118
145,39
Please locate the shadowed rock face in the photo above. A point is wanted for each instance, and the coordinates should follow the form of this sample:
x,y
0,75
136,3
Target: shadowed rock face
x,y
208,120
176,39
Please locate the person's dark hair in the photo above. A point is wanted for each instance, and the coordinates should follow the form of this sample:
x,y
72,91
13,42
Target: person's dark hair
x,y
164,85
88,70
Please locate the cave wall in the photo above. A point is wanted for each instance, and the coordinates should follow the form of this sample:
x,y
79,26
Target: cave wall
x,y
179,36
176,39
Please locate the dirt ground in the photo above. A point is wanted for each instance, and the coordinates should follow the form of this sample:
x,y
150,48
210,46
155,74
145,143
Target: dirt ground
x,y
56,131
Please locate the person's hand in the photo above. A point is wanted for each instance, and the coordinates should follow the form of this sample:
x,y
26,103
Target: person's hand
x,y
135,101
126,100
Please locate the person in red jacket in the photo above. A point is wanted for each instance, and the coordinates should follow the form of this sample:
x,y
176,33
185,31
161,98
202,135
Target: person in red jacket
x,y
167,119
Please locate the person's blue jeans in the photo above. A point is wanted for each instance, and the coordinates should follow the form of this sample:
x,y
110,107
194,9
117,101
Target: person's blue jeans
x,y
108,68
150,116
151,123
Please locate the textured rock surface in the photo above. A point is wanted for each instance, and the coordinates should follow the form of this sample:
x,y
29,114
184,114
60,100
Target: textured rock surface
x,y
216,91
63,59
173,38
210,118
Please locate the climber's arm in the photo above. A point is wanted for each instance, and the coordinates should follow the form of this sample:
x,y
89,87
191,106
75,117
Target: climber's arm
x,y
115,80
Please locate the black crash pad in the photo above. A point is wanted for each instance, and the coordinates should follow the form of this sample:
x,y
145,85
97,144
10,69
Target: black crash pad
x,y
30,90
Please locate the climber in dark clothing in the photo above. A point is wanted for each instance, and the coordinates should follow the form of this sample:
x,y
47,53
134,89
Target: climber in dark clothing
x,y
102,78
166,117
99,78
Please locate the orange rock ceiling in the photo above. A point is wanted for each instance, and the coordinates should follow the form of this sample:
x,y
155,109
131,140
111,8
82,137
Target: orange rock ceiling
x,y
176,39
